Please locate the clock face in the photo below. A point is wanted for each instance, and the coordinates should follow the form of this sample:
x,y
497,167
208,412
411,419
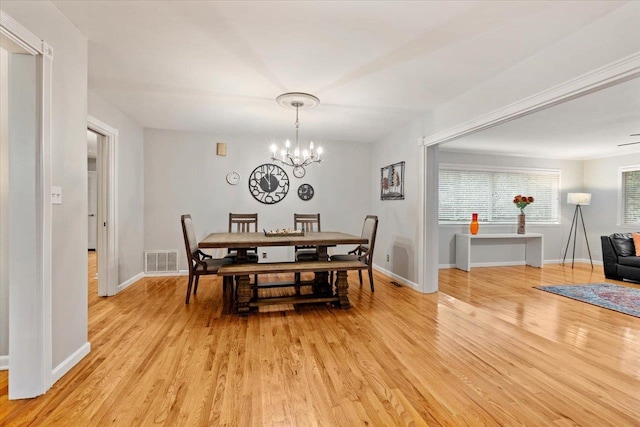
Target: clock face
x,y
233,178
305,192
268,183
299,171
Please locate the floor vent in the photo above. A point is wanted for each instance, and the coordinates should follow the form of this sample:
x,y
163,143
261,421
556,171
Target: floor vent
x,y
161,261
396,284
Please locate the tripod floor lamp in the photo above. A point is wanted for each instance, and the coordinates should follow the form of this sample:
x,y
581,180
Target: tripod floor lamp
x,y
578,199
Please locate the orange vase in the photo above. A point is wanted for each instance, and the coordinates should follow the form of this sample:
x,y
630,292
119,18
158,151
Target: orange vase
x,y
474,226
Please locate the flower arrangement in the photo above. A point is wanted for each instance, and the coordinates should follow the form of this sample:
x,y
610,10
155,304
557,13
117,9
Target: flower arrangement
x,y
522,202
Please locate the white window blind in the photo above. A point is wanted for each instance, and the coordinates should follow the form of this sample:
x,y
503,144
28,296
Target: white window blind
x,y
631,196
490,193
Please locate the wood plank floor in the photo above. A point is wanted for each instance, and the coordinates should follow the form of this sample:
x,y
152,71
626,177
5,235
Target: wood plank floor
x,y
488,349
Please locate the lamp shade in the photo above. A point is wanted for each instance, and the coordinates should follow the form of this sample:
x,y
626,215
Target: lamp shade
x,y
579,198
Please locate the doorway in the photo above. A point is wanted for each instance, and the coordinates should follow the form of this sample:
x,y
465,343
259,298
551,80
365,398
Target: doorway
x,y
92,209
26,208
105,191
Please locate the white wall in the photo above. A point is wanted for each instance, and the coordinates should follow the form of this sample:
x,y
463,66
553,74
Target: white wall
x,y
130,185
398,219
183,174
601,217
69,169
555,236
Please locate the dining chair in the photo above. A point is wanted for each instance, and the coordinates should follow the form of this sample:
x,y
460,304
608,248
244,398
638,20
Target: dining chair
x,y
364,252
306,223
244,223
201,264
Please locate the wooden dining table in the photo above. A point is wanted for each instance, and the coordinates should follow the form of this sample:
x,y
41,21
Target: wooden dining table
x,y
241,242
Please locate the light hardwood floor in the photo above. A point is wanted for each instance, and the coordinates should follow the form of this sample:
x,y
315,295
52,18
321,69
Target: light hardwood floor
x,y
488,349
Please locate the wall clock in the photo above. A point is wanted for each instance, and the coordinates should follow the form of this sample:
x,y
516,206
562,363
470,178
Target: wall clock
x,y
268,183
233,178
305,192
299,171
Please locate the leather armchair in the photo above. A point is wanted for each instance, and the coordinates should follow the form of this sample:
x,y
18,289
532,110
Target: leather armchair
x,y
619,257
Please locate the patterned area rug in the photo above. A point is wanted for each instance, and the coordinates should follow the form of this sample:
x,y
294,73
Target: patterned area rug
x,y
614,297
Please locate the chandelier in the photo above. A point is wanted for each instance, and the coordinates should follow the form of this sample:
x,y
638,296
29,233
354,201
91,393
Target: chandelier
x,y
297,159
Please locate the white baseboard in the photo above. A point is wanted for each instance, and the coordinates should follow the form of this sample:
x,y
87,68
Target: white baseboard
x,y
576,261
4,363
512,263
70,362
400,279
127,283
178,273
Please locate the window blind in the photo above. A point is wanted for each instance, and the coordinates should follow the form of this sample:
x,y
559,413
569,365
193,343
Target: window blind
x,y
489,193
631,197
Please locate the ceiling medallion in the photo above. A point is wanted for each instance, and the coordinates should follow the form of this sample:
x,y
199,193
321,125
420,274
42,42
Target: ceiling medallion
x,y
298,159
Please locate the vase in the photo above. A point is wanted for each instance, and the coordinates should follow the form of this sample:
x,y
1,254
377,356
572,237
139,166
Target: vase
x,y
521,224
474,226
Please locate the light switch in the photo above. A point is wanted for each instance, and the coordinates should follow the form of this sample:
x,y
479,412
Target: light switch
x,y
56,195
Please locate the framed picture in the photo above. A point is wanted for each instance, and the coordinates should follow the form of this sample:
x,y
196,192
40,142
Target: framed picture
x,y
392,182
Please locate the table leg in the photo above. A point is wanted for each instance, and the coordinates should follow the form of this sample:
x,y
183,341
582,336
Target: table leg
x,y
342,284
322,285
244,294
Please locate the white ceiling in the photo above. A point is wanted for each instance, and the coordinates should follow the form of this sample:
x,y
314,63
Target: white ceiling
x,y
375,65
584,128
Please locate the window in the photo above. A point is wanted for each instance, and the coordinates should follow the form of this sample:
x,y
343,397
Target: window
x,y
490,192
630,194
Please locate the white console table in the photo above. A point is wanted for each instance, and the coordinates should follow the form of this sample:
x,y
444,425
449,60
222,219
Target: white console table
x,y
533,247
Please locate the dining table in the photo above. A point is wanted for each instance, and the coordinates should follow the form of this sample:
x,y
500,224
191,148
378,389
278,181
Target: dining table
x,y
241,242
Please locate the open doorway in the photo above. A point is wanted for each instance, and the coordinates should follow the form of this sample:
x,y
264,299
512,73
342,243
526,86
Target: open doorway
x,y
93,139
105,179
25,210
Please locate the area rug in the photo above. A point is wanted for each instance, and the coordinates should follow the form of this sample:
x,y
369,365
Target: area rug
x,y
614,297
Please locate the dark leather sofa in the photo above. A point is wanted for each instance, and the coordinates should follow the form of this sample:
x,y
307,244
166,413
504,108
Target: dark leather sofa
x,y
619,257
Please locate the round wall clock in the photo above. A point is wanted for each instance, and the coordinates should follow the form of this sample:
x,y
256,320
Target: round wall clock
x,y
299,171
233,178
268,183
305,192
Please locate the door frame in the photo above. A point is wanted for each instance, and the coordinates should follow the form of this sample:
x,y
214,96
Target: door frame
x,y
30,350
107,244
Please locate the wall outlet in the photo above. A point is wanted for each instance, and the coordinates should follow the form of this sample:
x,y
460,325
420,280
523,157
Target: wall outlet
x,y
264,255
387,257
562,252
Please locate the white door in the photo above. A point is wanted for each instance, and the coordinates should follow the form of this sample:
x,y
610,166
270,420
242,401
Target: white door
x,y
93,209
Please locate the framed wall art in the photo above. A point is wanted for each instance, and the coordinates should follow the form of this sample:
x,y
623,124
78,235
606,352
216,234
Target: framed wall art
x,y
392,182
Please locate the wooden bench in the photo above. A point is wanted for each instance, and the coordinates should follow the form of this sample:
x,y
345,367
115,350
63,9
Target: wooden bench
x,y
320,268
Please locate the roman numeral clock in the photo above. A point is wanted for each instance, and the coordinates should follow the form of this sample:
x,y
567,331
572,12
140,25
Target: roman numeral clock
x,y
268,183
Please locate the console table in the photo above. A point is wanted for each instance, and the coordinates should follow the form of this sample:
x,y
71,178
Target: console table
x,y
533,247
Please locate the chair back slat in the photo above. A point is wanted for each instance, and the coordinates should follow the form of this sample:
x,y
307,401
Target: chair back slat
x,y
307,223
243,223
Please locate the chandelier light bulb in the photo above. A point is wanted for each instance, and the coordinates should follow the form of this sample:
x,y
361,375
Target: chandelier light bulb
x,y
305,154
274,148
311,146
287,144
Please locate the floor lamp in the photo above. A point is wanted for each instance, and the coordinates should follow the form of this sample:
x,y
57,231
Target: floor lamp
x,y
578,199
